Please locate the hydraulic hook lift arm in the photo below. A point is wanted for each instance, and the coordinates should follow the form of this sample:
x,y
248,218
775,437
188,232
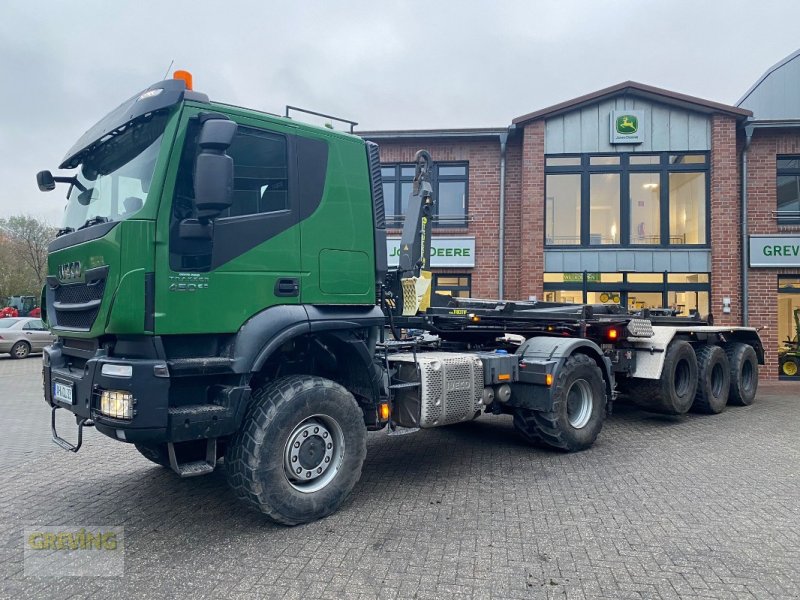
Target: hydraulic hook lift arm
x,y
415,243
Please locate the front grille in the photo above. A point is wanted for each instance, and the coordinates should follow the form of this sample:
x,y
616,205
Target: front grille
x,y
78,293
69,314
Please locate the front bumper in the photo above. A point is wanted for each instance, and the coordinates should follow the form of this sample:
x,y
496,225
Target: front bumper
x,y
150,421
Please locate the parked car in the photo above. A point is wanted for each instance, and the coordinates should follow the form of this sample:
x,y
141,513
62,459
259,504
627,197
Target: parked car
x,y
23,335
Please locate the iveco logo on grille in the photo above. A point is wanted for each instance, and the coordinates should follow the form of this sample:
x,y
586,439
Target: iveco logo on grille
x,y
70,271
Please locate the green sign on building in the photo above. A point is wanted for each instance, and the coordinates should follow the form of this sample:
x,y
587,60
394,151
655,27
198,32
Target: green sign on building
x,y
627,127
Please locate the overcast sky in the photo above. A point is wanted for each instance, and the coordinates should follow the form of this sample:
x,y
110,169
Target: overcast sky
x,y
387,65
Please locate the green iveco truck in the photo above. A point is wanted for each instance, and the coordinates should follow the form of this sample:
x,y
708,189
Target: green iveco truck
x,y
220,292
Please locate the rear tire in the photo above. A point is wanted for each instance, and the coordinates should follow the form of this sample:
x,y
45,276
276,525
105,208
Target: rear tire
x,y
713,381
673,393
20,350
300,450
578,410
744,373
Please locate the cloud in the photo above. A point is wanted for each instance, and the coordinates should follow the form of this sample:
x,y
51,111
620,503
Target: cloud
x,y
406,64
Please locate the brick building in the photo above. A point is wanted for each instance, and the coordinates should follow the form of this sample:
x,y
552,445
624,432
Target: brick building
x,y
631,194
770,161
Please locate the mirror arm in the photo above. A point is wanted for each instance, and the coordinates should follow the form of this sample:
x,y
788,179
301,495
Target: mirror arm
x,y
71,180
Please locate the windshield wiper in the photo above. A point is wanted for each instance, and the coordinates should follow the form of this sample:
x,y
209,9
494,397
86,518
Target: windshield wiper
x,y
94,221
64,231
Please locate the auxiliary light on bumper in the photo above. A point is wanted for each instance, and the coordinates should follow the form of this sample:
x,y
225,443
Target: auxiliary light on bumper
x,y
117,404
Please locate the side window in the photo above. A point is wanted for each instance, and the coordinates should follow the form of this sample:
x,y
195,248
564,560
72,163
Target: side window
x,y
33,325
260,173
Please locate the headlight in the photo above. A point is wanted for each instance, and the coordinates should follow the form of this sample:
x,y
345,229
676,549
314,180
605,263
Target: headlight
x,y
113,370
117,404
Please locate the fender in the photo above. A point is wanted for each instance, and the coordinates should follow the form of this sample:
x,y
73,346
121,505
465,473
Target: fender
x,y
266,331
548,355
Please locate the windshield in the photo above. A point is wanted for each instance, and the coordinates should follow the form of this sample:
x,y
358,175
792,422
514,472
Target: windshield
x,y
113,180
7,323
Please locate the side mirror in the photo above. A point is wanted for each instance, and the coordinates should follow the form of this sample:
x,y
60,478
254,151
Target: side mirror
x,y
213,171
45,181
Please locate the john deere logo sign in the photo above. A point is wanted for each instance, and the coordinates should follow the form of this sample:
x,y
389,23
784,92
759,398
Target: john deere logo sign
x,y
626,127
627,124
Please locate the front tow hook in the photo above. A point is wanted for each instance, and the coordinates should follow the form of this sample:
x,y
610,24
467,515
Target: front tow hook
x,y
59,441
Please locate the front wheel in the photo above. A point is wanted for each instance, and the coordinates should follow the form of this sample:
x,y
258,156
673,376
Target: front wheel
x,y
577,412
20,350
300,450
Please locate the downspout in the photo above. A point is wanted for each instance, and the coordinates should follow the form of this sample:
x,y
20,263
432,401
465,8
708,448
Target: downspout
x,y
748,133
502,250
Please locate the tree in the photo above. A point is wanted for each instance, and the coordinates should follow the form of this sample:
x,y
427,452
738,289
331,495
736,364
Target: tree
x,y
23,254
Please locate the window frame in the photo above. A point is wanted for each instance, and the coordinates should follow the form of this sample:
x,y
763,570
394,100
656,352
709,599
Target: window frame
x,y
435,284
625,287
785,172
662,169
396,218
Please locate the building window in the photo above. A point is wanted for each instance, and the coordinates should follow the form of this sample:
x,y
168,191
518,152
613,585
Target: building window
x,y
788,190
627,199
563,210
687,208
452,285
450,184
686,293
645,208
604,209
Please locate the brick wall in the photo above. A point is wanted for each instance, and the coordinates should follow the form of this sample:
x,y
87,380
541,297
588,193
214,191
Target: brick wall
x,y
761,198
725,221
531,222
483,157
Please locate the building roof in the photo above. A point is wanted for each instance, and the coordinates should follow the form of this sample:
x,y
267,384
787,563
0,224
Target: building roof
x,y
478,132
776,94
642,90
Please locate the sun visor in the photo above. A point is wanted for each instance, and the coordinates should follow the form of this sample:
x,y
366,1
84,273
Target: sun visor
x,y
158,96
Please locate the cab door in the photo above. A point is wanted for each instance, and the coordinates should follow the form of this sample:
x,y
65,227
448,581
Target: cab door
x,y
251,259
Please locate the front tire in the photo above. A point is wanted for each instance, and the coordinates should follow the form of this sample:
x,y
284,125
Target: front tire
x,y
20,350
300,450
578,409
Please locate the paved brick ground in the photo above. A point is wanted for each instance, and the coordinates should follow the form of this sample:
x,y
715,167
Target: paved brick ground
x,y
661,507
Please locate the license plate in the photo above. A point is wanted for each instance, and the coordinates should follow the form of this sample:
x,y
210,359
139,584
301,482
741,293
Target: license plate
x,y
62,392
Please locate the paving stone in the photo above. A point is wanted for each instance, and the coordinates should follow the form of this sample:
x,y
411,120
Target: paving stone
x,y
661,507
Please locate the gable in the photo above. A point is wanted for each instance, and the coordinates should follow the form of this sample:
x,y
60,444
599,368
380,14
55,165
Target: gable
x,y
666,128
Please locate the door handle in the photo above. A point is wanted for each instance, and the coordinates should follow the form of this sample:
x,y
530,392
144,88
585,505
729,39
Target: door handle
x,y
287,287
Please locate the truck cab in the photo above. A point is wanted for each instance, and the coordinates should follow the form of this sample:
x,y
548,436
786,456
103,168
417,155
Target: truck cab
x,y
198,240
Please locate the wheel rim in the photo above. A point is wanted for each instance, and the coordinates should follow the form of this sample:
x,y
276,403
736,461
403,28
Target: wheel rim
x,y
21,351
747,375
579,403
717,379
790,368
313,453
682,378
